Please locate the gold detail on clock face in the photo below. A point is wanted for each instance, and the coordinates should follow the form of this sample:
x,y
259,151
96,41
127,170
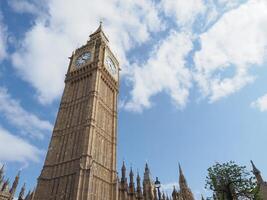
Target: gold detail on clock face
x,y
83,59
111,66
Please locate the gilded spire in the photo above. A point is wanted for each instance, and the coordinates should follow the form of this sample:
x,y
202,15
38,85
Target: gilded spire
x,y
184,189
257,173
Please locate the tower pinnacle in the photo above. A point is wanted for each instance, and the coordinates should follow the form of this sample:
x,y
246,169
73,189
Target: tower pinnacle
x,y
182,179
99,32
185,190
123,172
257,173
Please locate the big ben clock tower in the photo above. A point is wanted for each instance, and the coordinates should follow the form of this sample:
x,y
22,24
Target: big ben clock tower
x,y
81,160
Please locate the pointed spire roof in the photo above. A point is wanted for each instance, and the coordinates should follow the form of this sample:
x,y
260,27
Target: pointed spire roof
x,y
255,170
131,176
146,167
185,191
257,173
99,31
182,179
123,172
131,183
123,183
147,173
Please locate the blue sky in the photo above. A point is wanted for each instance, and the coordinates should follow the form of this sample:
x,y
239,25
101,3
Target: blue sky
x,y
193,81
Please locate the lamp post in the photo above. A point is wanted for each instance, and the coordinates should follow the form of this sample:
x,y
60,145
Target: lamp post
x,y
157,185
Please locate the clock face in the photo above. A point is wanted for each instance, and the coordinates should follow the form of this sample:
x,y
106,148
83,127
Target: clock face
x,y
83,59
111,66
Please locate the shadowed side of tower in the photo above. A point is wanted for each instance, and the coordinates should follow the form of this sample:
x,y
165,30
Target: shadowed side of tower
x,y
81,160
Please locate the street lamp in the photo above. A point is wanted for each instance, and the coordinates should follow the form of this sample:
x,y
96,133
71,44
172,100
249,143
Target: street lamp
x,y
157,185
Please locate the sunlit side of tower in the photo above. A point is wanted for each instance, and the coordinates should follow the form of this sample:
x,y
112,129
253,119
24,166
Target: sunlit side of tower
x,y
81,160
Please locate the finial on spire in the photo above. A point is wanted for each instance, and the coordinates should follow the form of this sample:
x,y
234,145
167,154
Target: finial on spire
x,y
99,29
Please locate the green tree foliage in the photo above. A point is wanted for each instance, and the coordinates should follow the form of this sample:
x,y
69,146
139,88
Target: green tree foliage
x,y
228,181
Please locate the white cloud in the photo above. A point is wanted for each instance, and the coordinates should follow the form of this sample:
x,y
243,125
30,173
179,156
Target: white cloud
x,y
260,103
13,148
236,41
3,38
185,12
164,71
46,46
26,122
24,6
